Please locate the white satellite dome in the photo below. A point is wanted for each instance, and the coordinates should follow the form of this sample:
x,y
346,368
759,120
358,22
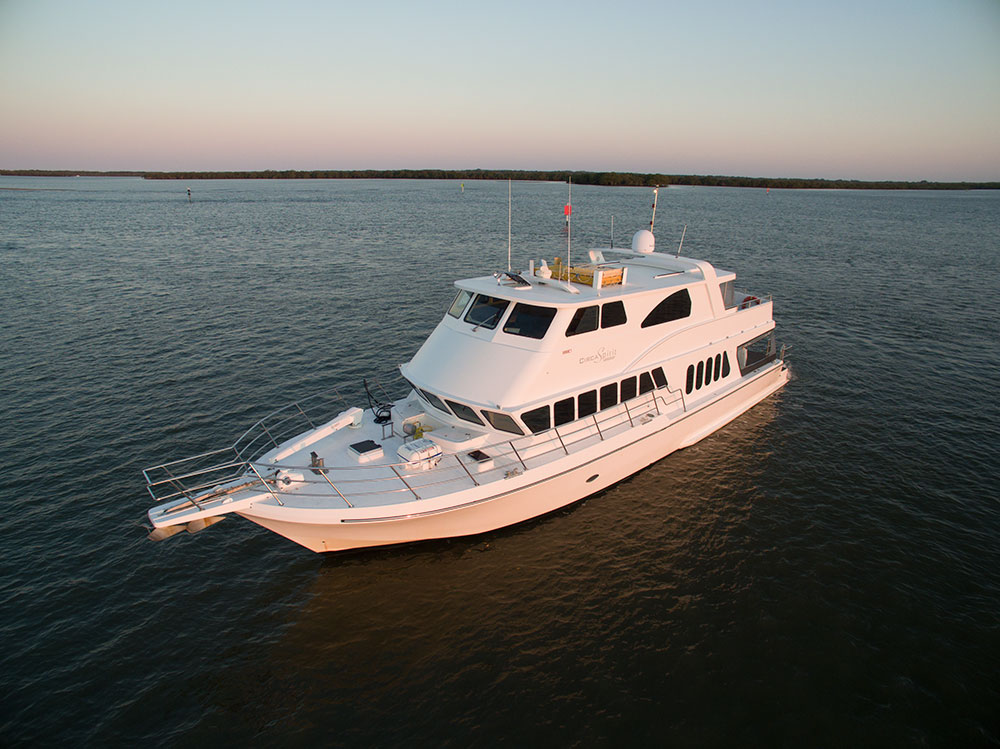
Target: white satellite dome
x,y
643,241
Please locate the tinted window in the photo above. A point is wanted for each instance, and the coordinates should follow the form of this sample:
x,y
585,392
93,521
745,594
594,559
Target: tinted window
x,y
700,376
718,366
609,395
659,378
502,422
529,320
584,320
690,378
458,306
628,388
537,419
725,364
434,400
708,370
486,311
464,412
562,411
586,404
645,383
613,313
674,307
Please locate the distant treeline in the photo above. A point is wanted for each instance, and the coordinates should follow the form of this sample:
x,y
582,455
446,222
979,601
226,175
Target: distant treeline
x,y
627,179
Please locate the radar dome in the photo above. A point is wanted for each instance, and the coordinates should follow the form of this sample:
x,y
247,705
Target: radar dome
x,y
643,241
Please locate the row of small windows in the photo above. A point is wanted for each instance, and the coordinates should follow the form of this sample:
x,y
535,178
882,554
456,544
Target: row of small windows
x,y
712,369
569,409
533,321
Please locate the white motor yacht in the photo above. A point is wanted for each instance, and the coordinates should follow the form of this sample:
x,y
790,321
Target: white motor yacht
x,y
535,390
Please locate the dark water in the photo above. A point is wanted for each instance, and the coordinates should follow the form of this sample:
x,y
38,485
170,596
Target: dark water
x,y
823,571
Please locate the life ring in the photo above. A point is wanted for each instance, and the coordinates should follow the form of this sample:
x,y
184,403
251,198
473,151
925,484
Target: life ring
x,y
749,301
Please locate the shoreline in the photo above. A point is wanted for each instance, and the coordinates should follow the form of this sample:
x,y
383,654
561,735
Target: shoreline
x,y
607,179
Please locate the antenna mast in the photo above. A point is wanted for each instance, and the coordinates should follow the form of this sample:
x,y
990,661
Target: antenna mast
x,y
569,212
508,224
656,191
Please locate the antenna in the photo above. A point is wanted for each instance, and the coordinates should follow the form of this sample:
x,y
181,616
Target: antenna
x,y
569,212
656,191
612,231
508,223
682,241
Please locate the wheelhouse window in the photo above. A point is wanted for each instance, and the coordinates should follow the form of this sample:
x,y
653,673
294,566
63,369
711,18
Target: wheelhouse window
x,y
486,311
434,400
645,383
462,411
529,320
659,378
586,404
612,314
674,307
537,419
563,411
503,422
584,320
461,301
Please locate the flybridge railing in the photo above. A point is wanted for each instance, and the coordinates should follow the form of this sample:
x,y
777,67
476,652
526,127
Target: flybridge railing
x,y
747,299
191,478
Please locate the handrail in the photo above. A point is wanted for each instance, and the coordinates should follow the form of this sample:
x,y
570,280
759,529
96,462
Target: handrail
x,y
538,448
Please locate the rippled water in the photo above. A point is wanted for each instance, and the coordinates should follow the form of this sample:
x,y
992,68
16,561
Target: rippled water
x,y
823,571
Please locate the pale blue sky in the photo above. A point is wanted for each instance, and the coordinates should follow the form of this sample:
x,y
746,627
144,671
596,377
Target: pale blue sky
x,y
874,90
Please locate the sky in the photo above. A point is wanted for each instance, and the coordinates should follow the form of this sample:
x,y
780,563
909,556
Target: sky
x,y
854,89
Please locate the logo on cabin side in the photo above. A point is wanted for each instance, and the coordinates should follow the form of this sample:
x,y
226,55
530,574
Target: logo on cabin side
x,y
602,355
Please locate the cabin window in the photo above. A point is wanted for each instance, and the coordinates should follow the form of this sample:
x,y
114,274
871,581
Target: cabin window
x,y
434,401
718,366
584,320
486,311
628,389
690,379
562,411
700,377
674,307
586,404
612,314
708,370
537,419
756,353
726,289
464,412
503,422
529,320
659,378
645,383
725,364
461,300
609,395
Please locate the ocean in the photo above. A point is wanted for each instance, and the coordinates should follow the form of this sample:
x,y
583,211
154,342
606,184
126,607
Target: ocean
x,y
824,571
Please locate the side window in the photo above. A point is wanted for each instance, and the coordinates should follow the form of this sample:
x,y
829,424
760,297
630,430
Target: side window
x,y
708,370
700,376
612,314
461,300
609,395
434,400
464,412
659,378
645,383
725,364
529,320
674,307
628,389
690,379
718,366
586,404
584,320
502,422
537,419
486,311
562,411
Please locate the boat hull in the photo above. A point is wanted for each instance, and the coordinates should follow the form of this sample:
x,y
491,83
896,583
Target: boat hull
x,y
394,525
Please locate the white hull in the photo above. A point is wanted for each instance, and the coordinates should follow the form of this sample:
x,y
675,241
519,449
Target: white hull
x,y
527,496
